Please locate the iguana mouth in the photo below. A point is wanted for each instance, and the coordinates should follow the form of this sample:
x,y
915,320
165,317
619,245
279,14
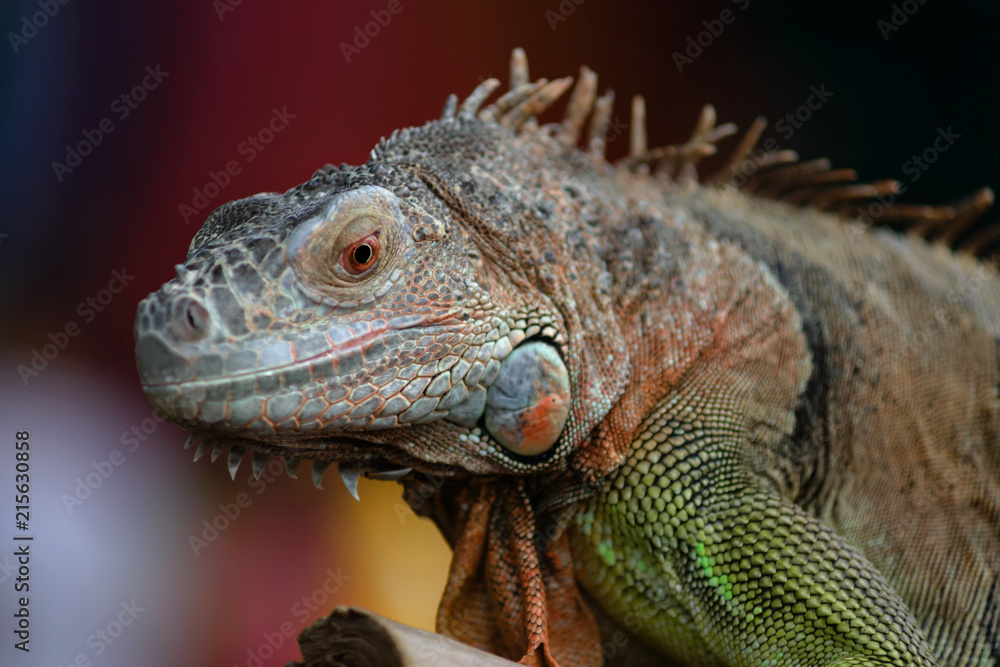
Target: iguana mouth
x,y
355,458
317,379
348,345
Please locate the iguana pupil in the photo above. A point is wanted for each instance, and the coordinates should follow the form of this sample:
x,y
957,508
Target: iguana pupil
x,y
362,255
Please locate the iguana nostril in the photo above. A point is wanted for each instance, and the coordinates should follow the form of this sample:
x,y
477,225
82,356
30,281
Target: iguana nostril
x,y
191,320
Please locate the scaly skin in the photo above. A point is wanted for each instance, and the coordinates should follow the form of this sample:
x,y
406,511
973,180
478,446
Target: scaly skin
x,y
657,419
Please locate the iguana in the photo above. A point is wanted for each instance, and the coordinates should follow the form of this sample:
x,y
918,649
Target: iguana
x,y
661,419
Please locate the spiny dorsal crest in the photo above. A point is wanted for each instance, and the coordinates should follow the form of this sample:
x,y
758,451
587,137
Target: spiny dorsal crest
x,y
776,174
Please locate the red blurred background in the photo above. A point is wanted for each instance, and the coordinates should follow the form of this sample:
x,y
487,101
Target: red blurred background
x,y
215,73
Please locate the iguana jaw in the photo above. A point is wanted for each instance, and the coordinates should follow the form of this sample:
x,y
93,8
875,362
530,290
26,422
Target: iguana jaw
x,y
215,409
336,406
355,458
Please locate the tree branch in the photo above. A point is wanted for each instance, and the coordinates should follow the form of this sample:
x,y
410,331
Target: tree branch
x,y
358,638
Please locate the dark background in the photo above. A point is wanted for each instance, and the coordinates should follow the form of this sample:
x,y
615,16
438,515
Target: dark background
x,y
60,241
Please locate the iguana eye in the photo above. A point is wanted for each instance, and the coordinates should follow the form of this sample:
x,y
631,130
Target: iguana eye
x,y
349,245
359,257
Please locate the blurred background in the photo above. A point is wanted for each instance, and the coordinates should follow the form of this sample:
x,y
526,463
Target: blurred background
x,y
116,115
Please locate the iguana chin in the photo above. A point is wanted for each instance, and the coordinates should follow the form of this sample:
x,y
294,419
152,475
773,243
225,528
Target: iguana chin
x,y
713,427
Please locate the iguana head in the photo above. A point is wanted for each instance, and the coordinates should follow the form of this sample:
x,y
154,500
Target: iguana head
x,y
424,310
444,309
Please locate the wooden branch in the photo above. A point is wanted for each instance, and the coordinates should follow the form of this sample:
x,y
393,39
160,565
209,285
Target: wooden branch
x,y
357,638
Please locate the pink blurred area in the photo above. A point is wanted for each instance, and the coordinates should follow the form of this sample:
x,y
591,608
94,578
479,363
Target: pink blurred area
x,y
211,571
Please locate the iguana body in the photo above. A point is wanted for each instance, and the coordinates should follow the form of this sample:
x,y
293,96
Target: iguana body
x,y
657,420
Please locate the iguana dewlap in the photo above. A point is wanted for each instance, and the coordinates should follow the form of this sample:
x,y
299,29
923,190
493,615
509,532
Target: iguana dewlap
x,y
661,419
